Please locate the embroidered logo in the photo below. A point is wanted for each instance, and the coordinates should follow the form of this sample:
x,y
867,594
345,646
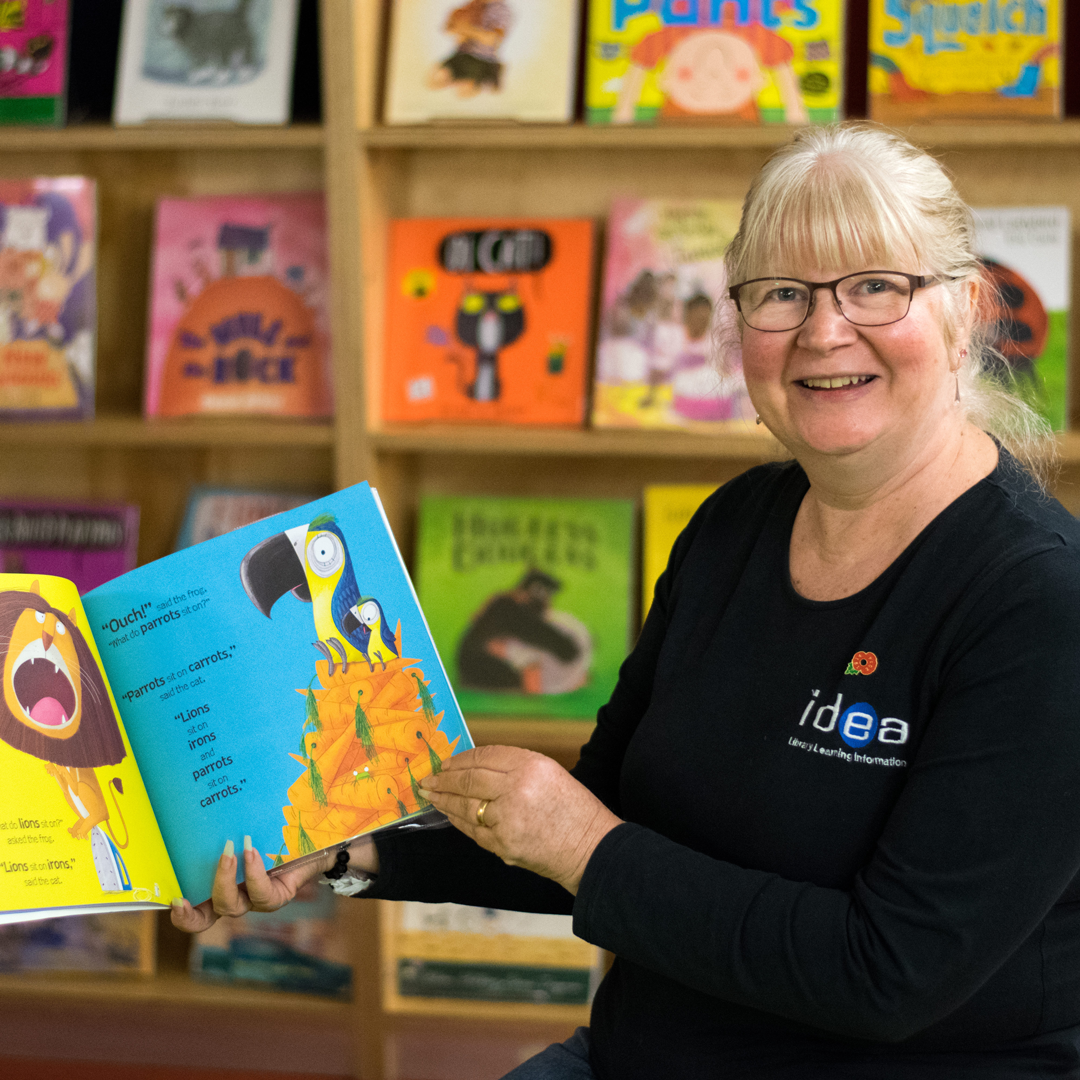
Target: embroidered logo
x,y
862,663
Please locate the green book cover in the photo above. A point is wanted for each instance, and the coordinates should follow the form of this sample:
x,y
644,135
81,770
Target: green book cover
x,y
528,600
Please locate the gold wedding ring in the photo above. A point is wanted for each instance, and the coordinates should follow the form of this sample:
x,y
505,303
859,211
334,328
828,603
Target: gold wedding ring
x,y
480,812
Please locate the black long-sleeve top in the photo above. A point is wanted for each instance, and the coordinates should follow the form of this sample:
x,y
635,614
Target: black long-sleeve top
x,y
852,830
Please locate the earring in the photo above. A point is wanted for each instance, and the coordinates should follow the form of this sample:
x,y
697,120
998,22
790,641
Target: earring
x,y
757,419
963,353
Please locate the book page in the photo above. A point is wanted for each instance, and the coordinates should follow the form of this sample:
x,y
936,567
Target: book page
x,y
76,827
278,681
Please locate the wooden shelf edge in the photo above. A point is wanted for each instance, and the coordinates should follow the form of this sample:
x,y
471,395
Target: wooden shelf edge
x,y
511,1011
134,431
583,136
749,443
162,137
544,736
172,988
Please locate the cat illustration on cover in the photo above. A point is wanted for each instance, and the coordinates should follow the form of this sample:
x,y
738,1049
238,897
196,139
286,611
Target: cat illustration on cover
x,y
221,46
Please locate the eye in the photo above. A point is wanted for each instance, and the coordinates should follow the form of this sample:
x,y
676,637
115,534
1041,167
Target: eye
x,y
509,302
784,294
473,303
40,616
325,554
60,629
369,614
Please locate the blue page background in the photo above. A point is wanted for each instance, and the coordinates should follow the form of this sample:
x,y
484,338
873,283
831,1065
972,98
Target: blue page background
x,y
253,709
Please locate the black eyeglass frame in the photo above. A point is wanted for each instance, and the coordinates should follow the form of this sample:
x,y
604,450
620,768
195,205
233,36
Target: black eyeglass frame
x,y
915,281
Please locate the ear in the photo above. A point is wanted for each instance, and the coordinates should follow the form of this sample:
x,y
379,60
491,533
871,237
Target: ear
x,y
73,618
35,587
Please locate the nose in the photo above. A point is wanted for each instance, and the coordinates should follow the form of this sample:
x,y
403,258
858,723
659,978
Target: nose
x,y
825,326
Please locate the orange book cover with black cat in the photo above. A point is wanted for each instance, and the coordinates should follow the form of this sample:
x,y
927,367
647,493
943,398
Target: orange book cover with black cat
x,y
487,320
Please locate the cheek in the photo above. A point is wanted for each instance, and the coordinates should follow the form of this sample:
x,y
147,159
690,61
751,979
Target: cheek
x,y
762,357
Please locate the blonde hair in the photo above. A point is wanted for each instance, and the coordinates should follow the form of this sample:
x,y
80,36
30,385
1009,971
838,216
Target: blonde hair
x,y
858,195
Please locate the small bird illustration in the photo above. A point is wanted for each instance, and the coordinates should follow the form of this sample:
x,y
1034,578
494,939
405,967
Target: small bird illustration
x,y
312,562
366,627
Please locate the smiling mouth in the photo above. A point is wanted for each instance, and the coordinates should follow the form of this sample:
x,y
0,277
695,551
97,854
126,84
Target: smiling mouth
x,y
835,382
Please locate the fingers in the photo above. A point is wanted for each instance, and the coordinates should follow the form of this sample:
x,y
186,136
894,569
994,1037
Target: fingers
x,y
191,919
227,897
265,893
456,807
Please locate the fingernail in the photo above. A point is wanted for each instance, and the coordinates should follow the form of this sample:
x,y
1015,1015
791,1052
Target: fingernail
x,y
426,782
229,850
247,843
178,902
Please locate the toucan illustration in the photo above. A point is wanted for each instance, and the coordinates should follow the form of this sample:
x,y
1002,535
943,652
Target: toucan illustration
x,y
312,562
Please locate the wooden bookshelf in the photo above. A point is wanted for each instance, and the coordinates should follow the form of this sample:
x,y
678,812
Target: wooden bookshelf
x,y
135,431
579,136
163,136
371,174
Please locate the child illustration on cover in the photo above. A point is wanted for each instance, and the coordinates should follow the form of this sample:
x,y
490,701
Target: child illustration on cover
x,y
712,70
480,27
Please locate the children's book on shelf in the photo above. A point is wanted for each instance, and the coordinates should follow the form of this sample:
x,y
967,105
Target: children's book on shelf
x,y
299,948
212,511
487,319
485,954
86,543
666,511
206,60
664,284
744,62
239,320
959,61
182,705
482,60
48,305
106,941
528,599
1026,251
33,61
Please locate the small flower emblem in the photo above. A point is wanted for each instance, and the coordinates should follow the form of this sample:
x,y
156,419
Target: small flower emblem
x,y
862,663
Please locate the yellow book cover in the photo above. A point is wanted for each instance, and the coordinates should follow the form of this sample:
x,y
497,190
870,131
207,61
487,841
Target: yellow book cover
x,y
668,510
721,61
954,59
77,831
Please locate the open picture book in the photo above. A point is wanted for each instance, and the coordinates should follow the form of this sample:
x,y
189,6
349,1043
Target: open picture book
x,y
278,681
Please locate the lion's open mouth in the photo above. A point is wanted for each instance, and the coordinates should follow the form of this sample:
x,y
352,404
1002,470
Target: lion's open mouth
x,y
43,688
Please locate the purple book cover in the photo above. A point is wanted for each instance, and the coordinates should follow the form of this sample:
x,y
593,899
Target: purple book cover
x,y
86,543
48,298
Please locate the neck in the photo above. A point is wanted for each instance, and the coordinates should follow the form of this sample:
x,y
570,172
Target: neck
x,y
863,509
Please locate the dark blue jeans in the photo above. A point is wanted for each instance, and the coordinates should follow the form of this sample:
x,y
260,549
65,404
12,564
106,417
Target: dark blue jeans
x,y
560,1061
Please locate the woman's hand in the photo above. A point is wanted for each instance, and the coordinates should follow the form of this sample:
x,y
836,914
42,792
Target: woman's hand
x,y
259,891
536,814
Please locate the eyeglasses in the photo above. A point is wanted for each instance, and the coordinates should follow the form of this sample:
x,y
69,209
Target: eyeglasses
x,y
869,298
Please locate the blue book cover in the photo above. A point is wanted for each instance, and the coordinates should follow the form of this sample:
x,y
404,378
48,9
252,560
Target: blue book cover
x,y
278,681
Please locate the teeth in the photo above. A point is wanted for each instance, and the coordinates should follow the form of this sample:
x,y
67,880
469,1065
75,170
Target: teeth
x,y
835,382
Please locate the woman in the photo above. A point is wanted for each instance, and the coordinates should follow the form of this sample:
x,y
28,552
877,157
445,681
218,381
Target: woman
x,y
829,822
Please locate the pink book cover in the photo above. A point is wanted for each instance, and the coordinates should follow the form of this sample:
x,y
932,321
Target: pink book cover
x,y
664,287
239,308
86,543
33,50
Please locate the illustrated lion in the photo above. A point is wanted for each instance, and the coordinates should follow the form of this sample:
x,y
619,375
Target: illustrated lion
x,y
54,703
